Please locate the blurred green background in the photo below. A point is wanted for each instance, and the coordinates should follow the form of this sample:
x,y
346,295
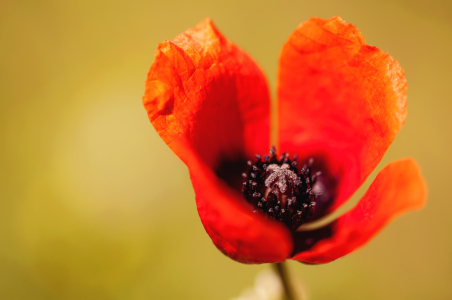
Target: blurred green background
x,y
93,205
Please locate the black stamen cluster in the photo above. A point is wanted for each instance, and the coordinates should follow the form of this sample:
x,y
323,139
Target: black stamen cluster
x,y
299,198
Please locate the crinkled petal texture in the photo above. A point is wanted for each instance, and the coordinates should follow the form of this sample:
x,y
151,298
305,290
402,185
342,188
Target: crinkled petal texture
x,y
339,99
398,188
209,102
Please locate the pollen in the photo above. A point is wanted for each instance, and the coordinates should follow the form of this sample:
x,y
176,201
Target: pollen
x,y
282,176
276,188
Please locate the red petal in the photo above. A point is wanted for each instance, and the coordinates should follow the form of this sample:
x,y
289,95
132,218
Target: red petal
x,y
398,188
236,231
340,99
204,88
209,102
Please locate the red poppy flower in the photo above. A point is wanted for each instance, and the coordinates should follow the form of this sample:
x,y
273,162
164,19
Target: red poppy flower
x,y
340,105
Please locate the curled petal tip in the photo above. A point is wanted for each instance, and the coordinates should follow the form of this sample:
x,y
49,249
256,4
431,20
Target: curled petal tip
x,y
398,188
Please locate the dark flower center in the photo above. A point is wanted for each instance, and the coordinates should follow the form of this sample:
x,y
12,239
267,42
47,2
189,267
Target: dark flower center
x,y
276,187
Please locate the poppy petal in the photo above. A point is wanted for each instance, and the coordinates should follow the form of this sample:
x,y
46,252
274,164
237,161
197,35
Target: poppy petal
x,y
339,99
398,188
204,88
239,233
209,102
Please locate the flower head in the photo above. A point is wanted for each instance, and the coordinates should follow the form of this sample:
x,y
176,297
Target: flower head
x,y
340,105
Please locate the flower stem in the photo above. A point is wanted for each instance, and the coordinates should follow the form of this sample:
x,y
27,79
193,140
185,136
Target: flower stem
x,y
282,272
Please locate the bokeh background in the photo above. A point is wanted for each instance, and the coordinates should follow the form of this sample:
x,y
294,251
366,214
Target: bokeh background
x,y
93,205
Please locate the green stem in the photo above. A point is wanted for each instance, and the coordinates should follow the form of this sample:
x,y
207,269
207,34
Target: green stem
x,y
282,272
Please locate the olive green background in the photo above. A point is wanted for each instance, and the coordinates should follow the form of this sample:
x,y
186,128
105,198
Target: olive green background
x,y
93,205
